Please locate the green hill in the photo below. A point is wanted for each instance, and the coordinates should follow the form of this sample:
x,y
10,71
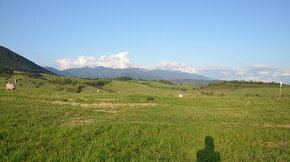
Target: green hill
x,y
13,61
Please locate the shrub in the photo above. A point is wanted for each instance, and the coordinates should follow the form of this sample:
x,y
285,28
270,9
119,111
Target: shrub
x,y
75,89
207,93
164,82
5,72
123,78
146,83
31,75
64,100
97,83
59,88
63,81
282,95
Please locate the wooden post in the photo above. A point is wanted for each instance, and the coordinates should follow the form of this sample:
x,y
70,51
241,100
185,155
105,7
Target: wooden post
x,y
280,89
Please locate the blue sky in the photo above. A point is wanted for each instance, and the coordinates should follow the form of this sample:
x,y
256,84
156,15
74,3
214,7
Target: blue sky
x,y
196,34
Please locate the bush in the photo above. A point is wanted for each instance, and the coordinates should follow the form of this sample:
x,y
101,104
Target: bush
x,y
5,72
164,82
235,84
63,81
97,83
32,75
64,100
146,83
75,89
59,88
207,93
123,78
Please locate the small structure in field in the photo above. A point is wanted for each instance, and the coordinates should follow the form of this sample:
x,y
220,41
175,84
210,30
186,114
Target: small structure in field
x,y
180,95
150,99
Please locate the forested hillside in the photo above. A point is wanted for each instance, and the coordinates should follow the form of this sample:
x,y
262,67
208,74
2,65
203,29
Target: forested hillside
x,y
13,61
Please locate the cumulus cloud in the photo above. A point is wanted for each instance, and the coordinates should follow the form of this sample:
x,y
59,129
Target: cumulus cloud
x,y
167,65
264,72
287,74
259,66
226,73
119,60
241,73
216,67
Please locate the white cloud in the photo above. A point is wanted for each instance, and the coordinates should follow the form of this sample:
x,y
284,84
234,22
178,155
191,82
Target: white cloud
x,y
216,67
119,60
285,74
166,65
226,73
241,73
254,72
264,72
259,66
253,78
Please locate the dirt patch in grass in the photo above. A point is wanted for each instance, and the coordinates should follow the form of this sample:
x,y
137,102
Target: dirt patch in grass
x,y
103,104
106,111
283,126
277,144
107,99
272,125
78,122
141,104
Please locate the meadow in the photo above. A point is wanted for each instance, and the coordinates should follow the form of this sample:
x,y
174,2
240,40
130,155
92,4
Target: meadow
x,y
66,119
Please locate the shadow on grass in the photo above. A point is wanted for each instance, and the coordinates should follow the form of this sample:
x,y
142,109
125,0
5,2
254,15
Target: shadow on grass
x,y
208,154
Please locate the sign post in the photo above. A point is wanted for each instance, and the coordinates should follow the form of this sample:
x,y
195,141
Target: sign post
x,y
281,88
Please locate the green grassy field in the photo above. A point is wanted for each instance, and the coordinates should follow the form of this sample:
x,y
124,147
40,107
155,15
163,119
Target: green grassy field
x,y
41,120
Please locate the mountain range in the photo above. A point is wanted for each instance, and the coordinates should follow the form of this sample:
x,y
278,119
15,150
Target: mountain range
x,y
135,73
